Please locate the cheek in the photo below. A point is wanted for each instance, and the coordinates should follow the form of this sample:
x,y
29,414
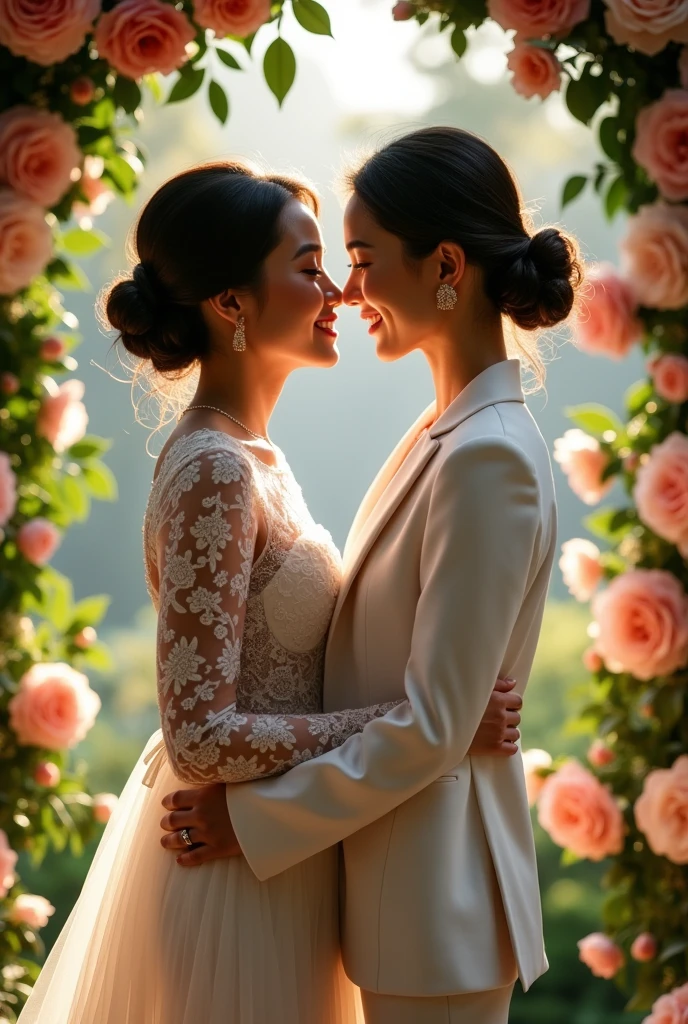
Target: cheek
x,y
293,301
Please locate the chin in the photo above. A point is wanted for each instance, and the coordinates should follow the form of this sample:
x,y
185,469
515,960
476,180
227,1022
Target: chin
x,y
388,352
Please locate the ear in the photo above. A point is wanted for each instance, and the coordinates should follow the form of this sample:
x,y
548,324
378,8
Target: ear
x,y
451,263
226,305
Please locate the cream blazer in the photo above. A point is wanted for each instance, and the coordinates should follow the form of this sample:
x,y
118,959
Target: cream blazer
x,y
446,574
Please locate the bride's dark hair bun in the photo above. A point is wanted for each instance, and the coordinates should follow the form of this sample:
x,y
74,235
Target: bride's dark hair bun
x,y
204,231
537,287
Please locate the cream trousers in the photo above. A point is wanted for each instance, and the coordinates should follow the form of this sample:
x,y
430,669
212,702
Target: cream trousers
x,y
491,1007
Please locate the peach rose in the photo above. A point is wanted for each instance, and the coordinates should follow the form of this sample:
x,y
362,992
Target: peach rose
x,y
592,660
601,954
8,860
655,256
8,489
644,947
536,72
661,491
661,811
232,17
583,461
26,242
82,90
62,418
599,754
95,190
670,377
52,349
38,540
139,37
647,25
536,18
103,806
580,567
580,814
33,911
643,623
608,324
38,152
85,638
667,1010
54,708
534,761
46,31
659,143
47,774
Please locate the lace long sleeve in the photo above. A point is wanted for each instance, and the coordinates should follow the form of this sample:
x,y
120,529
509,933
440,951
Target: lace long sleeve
x,y
205,551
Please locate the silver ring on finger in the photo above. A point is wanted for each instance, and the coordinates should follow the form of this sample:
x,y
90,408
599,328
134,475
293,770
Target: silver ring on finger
x,y
186,837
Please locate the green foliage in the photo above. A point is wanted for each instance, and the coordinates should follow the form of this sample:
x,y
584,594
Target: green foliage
x,y
279,67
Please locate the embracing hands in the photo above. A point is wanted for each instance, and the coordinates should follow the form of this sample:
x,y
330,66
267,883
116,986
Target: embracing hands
x,y
202,812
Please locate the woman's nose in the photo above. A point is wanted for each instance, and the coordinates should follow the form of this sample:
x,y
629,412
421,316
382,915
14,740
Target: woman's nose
x,y
351,295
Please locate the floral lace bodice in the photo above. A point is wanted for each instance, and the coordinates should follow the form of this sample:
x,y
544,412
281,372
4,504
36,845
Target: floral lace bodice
x,y
241,640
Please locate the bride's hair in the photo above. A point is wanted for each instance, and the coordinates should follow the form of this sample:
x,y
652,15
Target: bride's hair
x,y
203,231
441,183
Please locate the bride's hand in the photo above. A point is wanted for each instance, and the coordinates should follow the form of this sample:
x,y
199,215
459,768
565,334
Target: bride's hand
x,y
498,731
203,813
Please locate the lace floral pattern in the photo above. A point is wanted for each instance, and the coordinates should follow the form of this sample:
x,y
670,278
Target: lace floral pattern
x,y
241,642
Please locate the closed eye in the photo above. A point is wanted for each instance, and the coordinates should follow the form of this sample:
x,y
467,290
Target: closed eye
x,y
358,266
314,272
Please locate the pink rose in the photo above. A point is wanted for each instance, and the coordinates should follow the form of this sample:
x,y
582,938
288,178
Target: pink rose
x,y
85,638
33,911
601,954
670,377
592,660
26,242
647,25
52,349
38,540
659,143
62,418
8,489
139,37
232,17
580,814
661,491
536,72
643,623
534,761
607,325
403,10
8,860
655,256
661,811
537,18
103,806
54,708
580,567
46,31
38,153
667,1010
82,90
600,755
644,947
47,774
583,461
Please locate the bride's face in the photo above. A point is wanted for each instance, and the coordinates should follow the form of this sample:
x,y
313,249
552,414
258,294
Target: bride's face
x,y
395,295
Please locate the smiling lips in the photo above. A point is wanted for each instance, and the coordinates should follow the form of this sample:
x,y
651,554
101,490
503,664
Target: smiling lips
x,y
327,326
373,320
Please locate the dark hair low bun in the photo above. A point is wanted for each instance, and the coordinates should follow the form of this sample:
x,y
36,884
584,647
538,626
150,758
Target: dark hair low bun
x,y
536,288
170,335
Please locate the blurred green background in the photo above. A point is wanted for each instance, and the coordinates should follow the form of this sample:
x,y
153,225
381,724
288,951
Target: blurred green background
x,y
376,79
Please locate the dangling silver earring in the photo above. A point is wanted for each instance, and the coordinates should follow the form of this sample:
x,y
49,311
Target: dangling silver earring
x,y
239,342
446,297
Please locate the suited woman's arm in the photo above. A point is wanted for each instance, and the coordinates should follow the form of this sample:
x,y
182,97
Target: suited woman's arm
x,y
476,566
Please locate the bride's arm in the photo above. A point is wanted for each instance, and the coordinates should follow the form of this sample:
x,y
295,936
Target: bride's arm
x,y
205,553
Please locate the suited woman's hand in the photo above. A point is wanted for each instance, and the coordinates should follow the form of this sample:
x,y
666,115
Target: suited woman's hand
x,y
498,731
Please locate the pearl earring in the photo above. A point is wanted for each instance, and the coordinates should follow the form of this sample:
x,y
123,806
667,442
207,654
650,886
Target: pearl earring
x,y
239,342
446,297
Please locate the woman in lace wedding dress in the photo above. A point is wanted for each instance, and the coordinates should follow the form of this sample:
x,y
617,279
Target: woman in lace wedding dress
x,y
244,583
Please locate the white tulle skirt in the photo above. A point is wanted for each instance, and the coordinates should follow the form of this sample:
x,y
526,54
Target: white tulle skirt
x,y
150,942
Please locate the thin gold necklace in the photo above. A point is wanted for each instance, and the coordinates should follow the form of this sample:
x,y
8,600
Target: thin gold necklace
x,y
214,408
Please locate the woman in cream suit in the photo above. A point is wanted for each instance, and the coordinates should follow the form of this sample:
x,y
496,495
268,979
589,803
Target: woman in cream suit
x,y
445,579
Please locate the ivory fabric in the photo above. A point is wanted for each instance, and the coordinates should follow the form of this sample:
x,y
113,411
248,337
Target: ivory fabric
x,y
445,578
491,1007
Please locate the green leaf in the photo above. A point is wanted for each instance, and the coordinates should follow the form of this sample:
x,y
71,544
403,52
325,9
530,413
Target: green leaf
x,y
637,396
228,59
279,67
573,187
98,657
605,524
595,419
56,603
312,16
459,41
79,242
568,857
126,94
90,611
89,446
189,82
122,173
616,197
153,83
672,950
69,276
100,480
219,104
75,497
609,140
584,95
